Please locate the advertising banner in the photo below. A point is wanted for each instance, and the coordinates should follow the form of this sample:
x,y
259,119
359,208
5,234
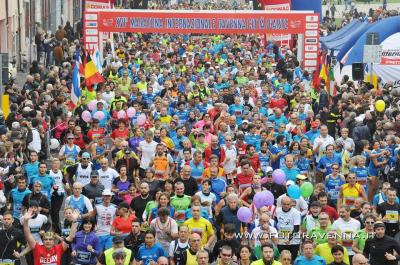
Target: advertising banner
x,y
221,22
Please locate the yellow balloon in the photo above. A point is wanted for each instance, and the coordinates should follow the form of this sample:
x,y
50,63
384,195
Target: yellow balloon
x,y
380,105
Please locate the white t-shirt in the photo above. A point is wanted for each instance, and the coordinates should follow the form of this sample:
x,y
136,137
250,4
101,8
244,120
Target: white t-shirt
x,y
107,177
164,231
325,141
105,217
58,178
35,224
230,165
211,198
148,152
286,221
301,204
258,232
347,230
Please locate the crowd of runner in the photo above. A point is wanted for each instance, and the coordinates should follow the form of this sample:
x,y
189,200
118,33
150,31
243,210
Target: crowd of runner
x,y
191,129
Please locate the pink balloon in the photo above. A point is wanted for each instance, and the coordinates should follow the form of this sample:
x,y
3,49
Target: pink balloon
x,y
121,114
131,112
244,214
86,116
278,176
92,104
99,115
141,119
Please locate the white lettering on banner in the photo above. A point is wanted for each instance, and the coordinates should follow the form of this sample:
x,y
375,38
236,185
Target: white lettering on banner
x,y
92,32
96,5
310,63
308,55
312,18
311,33
91,24
311,48
91,17
94,39
311,25
311,40
278,7
310,69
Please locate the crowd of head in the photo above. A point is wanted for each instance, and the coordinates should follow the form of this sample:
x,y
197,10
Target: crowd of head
x,y
197,149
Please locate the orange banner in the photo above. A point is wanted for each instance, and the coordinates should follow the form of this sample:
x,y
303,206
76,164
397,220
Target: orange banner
x,y
218,22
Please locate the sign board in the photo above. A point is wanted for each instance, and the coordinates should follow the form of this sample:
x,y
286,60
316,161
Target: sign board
x,y
372,54
202,22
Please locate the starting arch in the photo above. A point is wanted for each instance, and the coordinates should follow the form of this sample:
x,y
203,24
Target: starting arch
x,y
304,23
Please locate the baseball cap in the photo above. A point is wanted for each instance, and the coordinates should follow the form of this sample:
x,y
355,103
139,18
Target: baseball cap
x,y
245,121
269,170
118,239
269,124
300,176
314,124
289,182
85,155
70,136
33,203
94,173
107,192
315,204
379,224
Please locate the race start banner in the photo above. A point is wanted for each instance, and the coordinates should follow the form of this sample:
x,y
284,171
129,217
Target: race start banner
x,y
204,22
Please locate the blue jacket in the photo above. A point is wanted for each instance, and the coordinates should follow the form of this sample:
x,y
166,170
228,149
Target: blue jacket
x,y
81,241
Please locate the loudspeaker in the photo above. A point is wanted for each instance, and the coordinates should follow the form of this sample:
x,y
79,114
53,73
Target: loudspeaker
x,y
4,68
358,71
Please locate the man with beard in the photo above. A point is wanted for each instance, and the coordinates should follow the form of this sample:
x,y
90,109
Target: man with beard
x,y
389,212
380,249
81,171
268,256
138,204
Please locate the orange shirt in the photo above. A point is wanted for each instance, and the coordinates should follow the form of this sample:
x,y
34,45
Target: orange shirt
x,y
124,225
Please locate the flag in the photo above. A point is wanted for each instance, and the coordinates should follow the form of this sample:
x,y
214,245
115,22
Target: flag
x,y
76,83
332,83
92,75
322,73
99,64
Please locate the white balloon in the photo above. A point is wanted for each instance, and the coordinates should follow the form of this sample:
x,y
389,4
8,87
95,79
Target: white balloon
x,y
54,144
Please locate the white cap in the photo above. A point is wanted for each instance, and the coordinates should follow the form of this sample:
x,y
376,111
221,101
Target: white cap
x,y
107,192
289,182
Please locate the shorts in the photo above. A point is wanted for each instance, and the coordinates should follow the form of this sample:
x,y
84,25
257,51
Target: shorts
x,y
105,242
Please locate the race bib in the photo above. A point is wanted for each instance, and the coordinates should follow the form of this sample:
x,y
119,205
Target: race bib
x,y
349,201
7,262
83,256
180,216
392,217
98,200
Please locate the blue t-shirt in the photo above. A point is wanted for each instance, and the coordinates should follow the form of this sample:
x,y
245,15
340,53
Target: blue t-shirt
x,y
316,260
17,197
47,184
150,254
292,173
362,174
326,163
275,149
218,185
31,169
332,187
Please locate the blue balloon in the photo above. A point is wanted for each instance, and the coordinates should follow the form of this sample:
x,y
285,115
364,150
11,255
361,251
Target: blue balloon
x,y
294,192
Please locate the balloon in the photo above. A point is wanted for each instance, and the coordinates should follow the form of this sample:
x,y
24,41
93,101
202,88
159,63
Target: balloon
x,y
121,114
294,192
131,112
264,198
54,144
141,120
244,214
86,116
380,105
306,189
278,176
92,104
99,115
